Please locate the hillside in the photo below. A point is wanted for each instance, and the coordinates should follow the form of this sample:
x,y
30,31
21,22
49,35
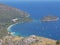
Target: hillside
x,y
30,40
7,14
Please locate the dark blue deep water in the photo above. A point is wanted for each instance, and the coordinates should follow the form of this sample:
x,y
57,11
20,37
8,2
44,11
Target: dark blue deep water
x,y
38,10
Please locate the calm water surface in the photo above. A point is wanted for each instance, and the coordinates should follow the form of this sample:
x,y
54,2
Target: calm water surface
x,y
38,10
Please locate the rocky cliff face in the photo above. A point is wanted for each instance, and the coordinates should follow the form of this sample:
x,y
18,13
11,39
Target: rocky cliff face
x,y
30,40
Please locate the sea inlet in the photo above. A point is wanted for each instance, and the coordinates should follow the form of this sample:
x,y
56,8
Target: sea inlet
x,y
36,27
37,10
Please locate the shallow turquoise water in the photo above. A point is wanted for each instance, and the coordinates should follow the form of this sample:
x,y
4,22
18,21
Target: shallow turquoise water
x,y
45,29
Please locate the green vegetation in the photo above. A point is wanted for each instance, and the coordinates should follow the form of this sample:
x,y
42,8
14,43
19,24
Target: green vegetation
x,y
58,42
7,14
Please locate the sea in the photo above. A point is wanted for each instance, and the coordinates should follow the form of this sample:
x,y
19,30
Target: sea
x,y
37,10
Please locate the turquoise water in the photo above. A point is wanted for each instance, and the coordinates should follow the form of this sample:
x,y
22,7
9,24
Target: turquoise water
x,y
38,10
45,29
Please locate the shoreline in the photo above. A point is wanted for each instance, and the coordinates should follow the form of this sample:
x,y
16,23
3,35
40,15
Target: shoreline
x,y
12,33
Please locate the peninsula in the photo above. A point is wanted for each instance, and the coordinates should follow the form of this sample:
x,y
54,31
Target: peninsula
x,y
9,16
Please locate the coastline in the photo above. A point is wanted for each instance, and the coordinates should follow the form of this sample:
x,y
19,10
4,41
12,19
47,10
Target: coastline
x,y
12,33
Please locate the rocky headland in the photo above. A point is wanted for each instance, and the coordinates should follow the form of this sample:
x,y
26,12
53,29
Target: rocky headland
x,y
9,16
50,18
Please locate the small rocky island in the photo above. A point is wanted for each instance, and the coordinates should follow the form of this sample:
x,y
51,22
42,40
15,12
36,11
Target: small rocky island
x,y
50,18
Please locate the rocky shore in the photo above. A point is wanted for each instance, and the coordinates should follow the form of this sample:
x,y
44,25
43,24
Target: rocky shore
x,y
30,40
50,18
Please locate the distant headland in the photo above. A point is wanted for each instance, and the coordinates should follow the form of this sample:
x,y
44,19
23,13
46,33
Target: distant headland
x,y
50,18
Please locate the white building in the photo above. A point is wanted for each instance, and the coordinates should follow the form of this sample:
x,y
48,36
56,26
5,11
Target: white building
x,y
14,20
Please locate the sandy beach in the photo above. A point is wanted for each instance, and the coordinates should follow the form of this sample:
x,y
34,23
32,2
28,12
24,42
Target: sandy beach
x,y
9,28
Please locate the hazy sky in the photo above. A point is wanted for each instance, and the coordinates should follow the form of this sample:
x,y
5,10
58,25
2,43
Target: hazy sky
x,y
29,0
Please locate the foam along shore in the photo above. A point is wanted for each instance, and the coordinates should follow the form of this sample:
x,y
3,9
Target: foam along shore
x,y
50,18
9,28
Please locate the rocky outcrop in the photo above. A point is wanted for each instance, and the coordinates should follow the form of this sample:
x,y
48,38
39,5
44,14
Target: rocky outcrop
x,y
35,40
9,15
50,18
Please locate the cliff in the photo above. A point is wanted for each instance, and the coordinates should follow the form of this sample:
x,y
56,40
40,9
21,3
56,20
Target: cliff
x,y
30,40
